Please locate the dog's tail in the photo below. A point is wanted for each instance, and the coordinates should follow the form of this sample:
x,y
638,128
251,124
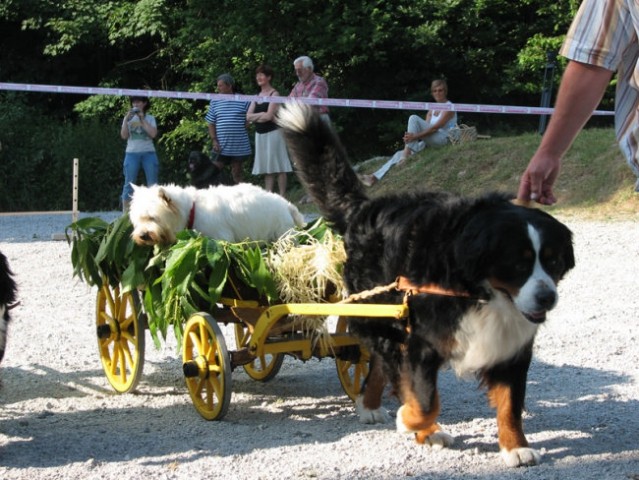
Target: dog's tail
x,y
321,163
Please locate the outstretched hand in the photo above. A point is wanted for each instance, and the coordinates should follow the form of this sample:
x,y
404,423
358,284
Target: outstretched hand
x,y
538,179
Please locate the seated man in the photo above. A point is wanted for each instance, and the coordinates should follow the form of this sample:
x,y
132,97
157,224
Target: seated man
x,y
432,131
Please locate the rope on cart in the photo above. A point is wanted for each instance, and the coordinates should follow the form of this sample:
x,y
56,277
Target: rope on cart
x,y
370,293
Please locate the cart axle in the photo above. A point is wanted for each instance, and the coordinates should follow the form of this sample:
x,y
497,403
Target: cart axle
x,y
190,369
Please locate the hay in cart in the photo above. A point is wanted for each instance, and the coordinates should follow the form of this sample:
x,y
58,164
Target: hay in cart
x,y
276,296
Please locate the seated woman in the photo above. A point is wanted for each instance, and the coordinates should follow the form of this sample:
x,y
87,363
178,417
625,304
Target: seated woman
x,y
431,131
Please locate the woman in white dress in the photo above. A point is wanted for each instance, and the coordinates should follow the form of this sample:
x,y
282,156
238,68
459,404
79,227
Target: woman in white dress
x,y
271,156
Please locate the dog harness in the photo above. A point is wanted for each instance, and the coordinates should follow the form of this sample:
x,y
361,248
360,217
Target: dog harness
x,y
405,285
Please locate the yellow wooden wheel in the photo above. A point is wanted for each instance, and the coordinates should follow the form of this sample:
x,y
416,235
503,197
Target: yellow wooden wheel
x,y
207,366
120,331
351,363
264,367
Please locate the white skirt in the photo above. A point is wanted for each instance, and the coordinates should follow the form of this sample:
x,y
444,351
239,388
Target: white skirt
x,y
271,155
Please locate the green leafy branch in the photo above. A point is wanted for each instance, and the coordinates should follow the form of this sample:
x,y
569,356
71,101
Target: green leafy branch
x,y
174,282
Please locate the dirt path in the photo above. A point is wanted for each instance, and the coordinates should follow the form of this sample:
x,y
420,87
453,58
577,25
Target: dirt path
x,y
60,419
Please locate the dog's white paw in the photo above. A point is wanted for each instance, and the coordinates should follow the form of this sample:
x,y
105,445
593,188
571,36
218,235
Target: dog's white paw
x,y
368,416
436,440
439,440
519,457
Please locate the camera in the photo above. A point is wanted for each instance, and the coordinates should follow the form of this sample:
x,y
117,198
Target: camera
x,y
135,110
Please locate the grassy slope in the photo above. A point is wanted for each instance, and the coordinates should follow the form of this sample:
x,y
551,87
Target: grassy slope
x,y
594,182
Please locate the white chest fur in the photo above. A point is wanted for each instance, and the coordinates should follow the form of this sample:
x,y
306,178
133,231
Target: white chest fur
x,y
491,334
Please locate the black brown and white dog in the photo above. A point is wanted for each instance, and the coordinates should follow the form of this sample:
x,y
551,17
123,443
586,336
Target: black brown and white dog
x,y
205,173
8,294
481,272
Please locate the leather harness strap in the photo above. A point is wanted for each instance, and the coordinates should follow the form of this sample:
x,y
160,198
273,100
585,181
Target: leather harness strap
x,y
404,284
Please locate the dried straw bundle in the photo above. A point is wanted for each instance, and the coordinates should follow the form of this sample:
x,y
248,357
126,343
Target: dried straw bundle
x,y
308,270
305,268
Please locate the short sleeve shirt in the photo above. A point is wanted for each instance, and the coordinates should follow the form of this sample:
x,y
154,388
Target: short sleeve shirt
x,y
229,118
604,34
139,141
316,87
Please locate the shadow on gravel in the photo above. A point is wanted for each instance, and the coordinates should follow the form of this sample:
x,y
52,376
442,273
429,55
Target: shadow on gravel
x,y
302,405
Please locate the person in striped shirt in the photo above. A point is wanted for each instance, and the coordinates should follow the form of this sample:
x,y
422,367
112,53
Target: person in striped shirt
x,y
227,124
602,39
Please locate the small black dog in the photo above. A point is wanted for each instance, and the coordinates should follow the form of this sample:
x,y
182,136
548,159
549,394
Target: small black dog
x,y
8,293
205,173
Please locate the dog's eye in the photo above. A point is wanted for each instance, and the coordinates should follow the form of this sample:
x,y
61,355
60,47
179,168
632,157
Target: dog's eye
x,y
554,265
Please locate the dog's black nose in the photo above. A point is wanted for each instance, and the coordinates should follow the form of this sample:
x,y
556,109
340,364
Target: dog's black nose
x,y
145,236
546,299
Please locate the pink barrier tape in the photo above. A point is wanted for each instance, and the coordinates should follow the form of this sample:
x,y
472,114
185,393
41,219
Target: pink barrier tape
x,y
331,102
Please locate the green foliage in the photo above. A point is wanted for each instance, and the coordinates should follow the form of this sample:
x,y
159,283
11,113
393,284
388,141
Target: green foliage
x,y
491,51
176,281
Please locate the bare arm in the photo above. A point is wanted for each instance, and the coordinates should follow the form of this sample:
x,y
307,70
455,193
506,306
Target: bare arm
x,y
261,117
213,135
124,129
581,89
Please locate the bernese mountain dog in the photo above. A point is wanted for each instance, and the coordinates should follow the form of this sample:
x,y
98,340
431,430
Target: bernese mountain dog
x,y
8,294
478,275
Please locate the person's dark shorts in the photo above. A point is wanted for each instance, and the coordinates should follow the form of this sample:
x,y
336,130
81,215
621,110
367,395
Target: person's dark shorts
x,y
227,159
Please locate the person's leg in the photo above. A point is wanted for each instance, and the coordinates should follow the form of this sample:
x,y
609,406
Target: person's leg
x,y
236,169
437,139
131,168
383,170
282,180
416,124
376,176
269,181
151,166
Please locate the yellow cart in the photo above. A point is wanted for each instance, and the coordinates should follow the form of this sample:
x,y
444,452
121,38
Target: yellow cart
x,y
263,336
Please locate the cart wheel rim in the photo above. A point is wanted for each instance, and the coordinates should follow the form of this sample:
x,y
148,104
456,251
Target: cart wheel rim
x,y
120,333
264,367
207,366
351,374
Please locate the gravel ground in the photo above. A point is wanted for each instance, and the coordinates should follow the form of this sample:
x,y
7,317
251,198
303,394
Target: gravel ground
x,y
59,418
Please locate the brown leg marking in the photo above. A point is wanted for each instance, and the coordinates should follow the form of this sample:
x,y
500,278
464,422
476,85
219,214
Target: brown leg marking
x,y
510,428
375,384
414,418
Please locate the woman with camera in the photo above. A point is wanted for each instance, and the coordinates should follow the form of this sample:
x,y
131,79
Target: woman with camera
x,y
138,129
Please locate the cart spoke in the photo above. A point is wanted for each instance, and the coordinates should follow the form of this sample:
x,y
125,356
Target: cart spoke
x,y
127,321
195,341
122,361
114,360
109,298
126,351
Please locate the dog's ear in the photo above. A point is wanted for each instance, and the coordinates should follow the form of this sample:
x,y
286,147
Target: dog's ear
x,y
164,197
473,248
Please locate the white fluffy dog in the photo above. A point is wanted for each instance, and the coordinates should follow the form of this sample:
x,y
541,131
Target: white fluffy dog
x,y
232,213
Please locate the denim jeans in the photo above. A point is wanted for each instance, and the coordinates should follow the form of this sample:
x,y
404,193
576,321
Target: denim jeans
x,y
132,163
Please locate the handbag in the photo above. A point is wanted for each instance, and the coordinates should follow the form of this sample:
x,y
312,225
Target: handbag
x,y
462,133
